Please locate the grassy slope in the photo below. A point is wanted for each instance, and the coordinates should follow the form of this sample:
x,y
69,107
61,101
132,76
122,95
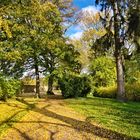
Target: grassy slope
x,y
111,114
12,111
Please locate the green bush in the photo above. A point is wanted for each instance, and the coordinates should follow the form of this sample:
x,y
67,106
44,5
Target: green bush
x,y
105,92
103,72
74,86
132,92
8,87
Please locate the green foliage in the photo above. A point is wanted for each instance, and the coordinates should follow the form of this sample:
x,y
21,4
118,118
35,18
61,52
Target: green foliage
x,y
103,72
74,86
105,92
132,69
134,22
123,118
132,92
8,87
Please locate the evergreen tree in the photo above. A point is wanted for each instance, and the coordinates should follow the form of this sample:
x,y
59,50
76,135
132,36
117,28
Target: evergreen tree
x,y
115,26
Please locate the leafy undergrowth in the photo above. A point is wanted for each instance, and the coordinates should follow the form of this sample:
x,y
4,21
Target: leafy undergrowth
x,y
12,111
123,118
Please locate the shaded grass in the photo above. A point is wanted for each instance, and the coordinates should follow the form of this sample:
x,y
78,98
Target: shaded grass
x,y
11,111
123,118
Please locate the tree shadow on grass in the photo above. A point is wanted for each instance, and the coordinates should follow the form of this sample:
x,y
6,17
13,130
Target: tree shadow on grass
x,y
10,121
55,97
72,123
81,125
128,112
25,135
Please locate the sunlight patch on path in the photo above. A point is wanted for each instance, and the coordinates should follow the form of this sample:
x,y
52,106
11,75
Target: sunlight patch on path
x,y
50,120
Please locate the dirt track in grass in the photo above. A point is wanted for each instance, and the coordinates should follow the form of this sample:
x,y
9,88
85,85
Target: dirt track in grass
x,y
51,119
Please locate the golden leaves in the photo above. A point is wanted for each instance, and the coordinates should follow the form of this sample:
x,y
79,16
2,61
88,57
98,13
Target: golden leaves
x,y
0,22
4,25
13,55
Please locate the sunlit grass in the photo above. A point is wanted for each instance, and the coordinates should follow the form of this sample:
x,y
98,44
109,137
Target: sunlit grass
x,y
107,113
111,114
12,111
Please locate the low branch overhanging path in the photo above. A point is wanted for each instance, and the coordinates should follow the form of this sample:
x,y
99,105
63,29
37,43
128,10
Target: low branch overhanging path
x,y
51,119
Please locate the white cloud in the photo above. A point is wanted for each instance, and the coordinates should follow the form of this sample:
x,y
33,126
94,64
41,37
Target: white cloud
x,y
91,9
77,28
76,35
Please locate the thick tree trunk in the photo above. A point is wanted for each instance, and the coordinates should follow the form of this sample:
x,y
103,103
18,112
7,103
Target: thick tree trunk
x,y
50,85
37,80
118,56
120,79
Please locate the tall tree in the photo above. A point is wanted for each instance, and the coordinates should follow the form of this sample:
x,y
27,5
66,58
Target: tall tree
x,y
134,22
66,10
92,29
115,24
45,29
11,55
51,59
30,32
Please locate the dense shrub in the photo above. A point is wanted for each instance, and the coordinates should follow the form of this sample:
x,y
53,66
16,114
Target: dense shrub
x,y
74,86
105,92
132,92
8,87
132,69
103,72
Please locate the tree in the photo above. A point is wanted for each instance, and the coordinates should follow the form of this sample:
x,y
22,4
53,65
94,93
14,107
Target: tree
x,y
134,22
103,72
54,59
62,60
30,32
51,60
45,30
11,55
115,24
92,29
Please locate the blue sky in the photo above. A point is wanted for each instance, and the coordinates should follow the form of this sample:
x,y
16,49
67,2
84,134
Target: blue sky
x,y
81,4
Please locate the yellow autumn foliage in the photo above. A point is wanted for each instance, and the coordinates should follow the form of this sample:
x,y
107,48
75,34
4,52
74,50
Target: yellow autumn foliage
x,y
5,26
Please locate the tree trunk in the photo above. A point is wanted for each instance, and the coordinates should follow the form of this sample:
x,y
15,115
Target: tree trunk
x,y
118,56
120,79
4,98
37,79
50,85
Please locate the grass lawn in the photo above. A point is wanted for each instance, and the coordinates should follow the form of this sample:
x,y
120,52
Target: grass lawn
x,y
12,111
123,118
111,114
